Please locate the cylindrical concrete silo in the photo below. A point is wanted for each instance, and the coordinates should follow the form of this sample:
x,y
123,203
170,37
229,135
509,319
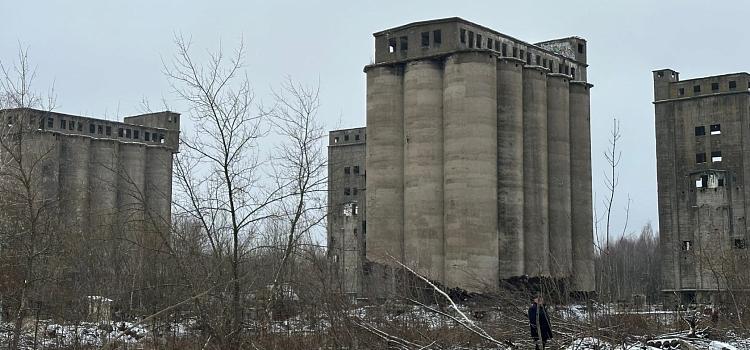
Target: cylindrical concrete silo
x,y
580,177
158,190
103,178
74,181
45,149
510,166
535,186
423,168
131,186
385,173
558,160
470,171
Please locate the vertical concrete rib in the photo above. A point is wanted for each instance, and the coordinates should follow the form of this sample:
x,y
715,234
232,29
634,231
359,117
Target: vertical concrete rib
x,y
158,191
131,186
423,168
385,161
510,167
558,160
103,185
580,176
535,185
74,181
470,153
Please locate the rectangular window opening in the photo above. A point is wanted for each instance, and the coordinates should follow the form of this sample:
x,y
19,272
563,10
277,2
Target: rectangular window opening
x,y
354,191
505,50
687,245
404,42
161,138
71,125
100,128
732,84
489,44
335,140
573,72
580,48
50,122
356,137
700,130
147,136
697,88
437,38
108,130
425,39
538,60
567,70
479,41
700,158
127,133
92,128
515,52
392,42
721,182
356,169
80,127
136,134
521,54
497,46
681,92
471,39
63,124
715,129
544,62
463,36
346,137
739,243
560,68
347,170
120,132
528,58
347,191
715,156
714,86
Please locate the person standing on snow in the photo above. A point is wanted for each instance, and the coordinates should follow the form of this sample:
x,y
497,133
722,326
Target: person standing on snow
x,y
538,320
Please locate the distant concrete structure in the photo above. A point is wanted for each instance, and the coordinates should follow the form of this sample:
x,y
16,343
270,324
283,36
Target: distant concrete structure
x,y
478,156
104,175
701,132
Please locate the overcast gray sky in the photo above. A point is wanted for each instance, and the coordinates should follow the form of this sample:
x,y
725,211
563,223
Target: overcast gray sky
x,y
105,56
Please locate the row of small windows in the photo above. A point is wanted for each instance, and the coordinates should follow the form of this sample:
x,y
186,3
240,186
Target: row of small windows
x,y
714,87
701,157
348,170
346,138
739,243
714,129
97,129
402,43
350,191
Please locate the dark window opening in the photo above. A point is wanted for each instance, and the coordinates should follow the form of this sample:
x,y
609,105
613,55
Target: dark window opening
x,y
425,39
10,121
551,64
721,182
346,137
127,133
538,59
714,86
335,140
700,130
364,227
505,49
560,68
147,136
700,158
739,243
92,128
355,231
702,182
50,122
356,169
471,39
100,128
347,170
161,138
108,130
71,125
404,42
697,88
521,54
497,45
715,129
528,58
463,36
489,44
354,191
573,72
515,51
544,62
687,245
80,126
356,137
347,191
479,41
732,84
567,70
436,37
681,92
63,124
392,45
716,156
580,48
136,134
120,132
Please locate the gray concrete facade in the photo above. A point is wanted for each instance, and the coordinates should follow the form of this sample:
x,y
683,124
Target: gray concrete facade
x,y
701,127
105,176
461,159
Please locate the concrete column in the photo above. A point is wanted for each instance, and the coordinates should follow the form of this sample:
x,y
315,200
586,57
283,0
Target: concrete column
x,y
158,170
470,153
385,171
510,167
423,168
74,182
535,186
558,160
103,179
131,190
580,177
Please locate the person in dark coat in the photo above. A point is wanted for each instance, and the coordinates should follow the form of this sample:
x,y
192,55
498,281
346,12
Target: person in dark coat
x,y
543,322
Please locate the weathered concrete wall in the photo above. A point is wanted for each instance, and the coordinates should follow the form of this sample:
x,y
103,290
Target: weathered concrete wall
x,y
103,176
558,160
535,186
470,156
423,168
510,167
73,181
580,177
